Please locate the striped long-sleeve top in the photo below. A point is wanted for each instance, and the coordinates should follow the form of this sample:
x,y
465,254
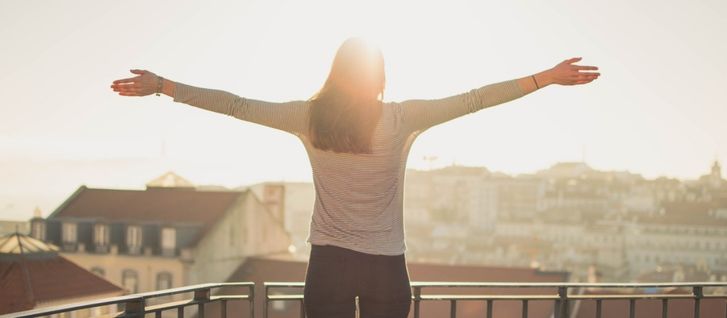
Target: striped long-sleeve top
x,y
359,197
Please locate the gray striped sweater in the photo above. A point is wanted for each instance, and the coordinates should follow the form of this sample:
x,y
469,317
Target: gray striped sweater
x,y
359,197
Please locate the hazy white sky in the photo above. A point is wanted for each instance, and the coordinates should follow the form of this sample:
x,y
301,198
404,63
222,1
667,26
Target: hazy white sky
x,y
658,109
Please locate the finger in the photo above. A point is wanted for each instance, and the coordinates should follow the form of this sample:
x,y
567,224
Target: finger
x,y
573,60
586,77
127,88
584,67
129,94
140,72
589,74
126,80
122,86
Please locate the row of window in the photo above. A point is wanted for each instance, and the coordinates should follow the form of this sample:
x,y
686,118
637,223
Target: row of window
x,y
679,244
672,259
130,279
69,233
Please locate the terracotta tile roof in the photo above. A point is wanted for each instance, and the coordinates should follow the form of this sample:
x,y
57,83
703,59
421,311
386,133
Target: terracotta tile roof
x,y
179,205
29,279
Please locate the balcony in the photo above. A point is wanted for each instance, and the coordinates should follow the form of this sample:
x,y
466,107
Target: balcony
x,y
559,300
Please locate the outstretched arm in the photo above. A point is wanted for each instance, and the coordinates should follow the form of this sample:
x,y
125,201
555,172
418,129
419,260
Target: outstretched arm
x,y
419,115
288,116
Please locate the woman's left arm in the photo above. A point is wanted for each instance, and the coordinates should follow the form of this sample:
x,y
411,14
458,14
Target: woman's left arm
x,y
287,116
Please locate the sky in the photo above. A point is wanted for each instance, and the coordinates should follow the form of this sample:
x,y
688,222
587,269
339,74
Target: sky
x,y
658,108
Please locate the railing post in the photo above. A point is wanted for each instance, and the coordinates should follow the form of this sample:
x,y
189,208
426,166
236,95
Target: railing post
x,y
265,305
490,304
664,308
561,310
203,296
525,308
134,308
251,298
598,308
632,308
417,300
698,294
453,308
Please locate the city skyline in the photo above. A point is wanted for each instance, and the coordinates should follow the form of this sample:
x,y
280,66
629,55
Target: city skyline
x,y
657,110
47,203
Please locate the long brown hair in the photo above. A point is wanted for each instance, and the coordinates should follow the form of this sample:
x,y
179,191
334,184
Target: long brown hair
x,y
346,109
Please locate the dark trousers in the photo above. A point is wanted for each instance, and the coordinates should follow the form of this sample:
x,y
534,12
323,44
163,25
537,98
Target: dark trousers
x,y
336,276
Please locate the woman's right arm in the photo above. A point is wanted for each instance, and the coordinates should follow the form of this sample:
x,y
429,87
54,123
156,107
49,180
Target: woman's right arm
x,y
419,115
288,116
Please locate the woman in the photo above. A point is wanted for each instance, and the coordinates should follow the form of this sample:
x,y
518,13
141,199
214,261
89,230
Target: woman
x,y
358,146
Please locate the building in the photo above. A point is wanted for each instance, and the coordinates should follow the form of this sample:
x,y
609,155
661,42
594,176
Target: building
x,y
33,275
9,227
167,235
293,203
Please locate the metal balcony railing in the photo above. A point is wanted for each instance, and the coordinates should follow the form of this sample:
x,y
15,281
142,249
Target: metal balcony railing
x,y
136,305
562,295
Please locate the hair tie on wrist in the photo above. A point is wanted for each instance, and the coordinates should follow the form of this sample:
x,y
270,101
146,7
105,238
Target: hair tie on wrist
x,y
159,85
536,82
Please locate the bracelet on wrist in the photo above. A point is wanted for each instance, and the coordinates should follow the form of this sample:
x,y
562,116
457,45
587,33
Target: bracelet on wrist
x,y
160,80
536,81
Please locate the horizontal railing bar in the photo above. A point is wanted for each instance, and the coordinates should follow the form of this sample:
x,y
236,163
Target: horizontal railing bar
x,y
286,297
283,284
292,297
528,285
193,288
724,296
567,285
634,296
488,297
140,297
190,302
296,297
172,305
230,297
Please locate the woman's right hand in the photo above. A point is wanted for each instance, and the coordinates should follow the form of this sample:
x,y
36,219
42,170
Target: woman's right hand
x,y
144,84
566,73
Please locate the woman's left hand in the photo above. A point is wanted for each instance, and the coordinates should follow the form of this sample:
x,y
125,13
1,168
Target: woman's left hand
x,y
144,84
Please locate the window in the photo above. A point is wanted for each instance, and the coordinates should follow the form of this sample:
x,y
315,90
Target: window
x,y
130,280
169,238
133,238
101,234
69,232
164,280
